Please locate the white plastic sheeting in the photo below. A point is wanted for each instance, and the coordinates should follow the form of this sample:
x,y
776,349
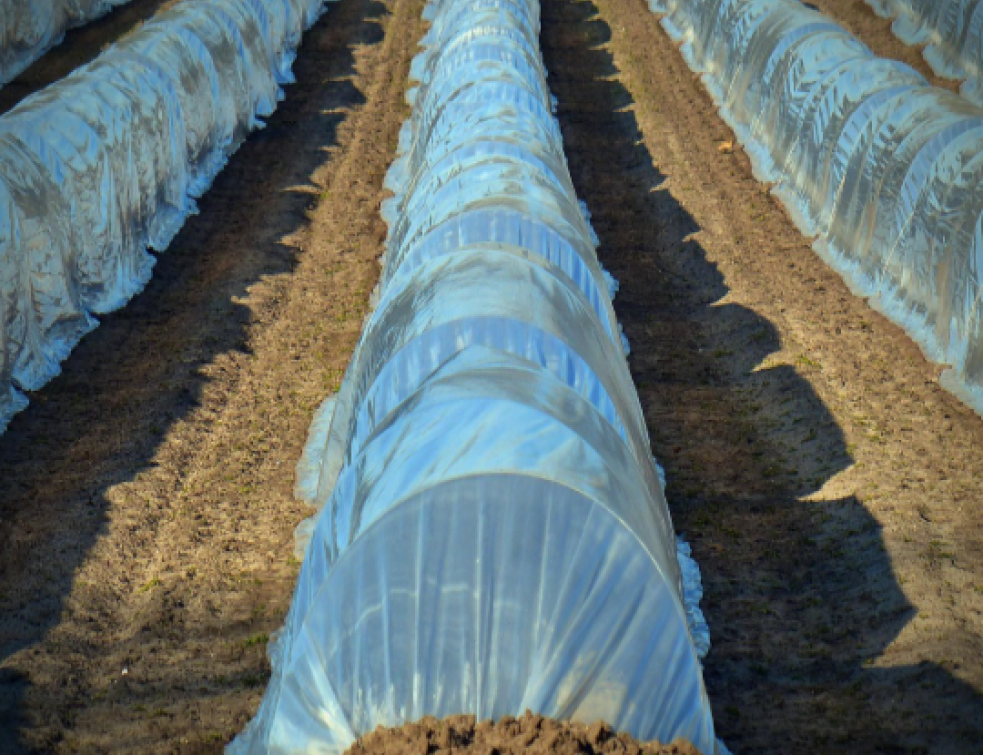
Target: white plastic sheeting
x,y
106,163
884,171
29,28
492,534
952,32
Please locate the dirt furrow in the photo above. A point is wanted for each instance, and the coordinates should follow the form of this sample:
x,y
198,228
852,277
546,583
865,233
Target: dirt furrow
x,y
145,496
829,485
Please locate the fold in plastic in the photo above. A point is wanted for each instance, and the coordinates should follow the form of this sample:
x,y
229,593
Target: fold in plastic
x,y
883,171
106,163
492,534
950,30
29,28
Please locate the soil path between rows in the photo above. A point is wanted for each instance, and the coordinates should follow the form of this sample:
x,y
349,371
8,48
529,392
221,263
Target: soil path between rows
x,y
829,486
146,508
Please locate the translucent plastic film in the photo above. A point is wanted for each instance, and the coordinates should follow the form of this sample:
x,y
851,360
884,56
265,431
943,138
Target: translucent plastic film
x,y
491,534
29,28
105,164
882,170
950,30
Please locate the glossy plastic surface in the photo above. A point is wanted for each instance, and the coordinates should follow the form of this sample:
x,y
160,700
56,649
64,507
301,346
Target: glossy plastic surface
x,y
105,164
29,28
881,169
492,533
951,32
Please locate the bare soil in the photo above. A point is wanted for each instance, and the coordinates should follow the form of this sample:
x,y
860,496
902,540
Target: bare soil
x,y
831,489
146,508
528,735
829,486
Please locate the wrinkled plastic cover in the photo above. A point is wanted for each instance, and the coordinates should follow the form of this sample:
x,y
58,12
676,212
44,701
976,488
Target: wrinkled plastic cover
x,y
106,163
29,28
950,30
492,534
884,171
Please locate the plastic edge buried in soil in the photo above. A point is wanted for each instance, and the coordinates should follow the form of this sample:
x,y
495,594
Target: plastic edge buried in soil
x,y
106,164
882,171
491,534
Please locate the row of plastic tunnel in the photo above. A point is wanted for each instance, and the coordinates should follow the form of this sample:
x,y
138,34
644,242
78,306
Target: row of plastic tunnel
x,y
105,164
950,30
491,533
875,164
29,29
883,171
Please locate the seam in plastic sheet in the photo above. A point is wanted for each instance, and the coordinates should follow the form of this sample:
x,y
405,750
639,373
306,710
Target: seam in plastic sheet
x,y
491,533
881,170
105,164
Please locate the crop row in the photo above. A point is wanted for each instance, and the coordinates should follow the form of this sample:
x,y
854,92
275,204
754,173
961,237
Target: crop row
x,y
882,170
105,164
29,28
491,534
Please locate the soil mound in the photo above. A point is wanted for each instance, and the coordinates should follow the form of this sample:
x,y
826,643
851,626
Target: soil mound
x,y
509,736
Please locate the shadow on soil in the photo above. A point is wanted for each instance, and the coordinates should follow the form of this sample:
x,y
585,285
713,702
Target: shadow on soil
x,y
99,424
800,595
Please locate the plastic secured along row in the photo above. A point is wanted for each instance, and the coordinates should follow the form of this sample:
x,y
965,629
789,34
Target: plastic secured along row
x,y
952,32
883,171
29,28
106,163
491,534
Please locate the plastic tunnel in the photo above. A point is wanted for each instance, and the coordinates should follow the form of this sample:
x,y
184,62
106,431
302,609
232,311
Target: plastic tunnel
x,y
883,171
491,534
952,32
106,163
29,28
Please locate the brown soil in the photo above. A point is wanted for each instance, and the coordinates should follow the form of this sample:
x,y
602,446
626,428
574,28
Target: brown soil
x,y
528,735
857,17
79,47
146,508
830,487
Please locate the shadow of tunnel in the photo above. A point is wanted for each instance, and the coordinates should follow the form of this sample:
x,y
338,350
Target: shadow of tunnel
x,y
102,421
800,593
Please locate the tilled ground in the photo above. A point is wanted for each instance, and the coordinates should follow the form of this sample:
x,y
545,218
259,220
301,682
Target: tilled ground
x,y
528,735
828,484
857,17
830,487
146,508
